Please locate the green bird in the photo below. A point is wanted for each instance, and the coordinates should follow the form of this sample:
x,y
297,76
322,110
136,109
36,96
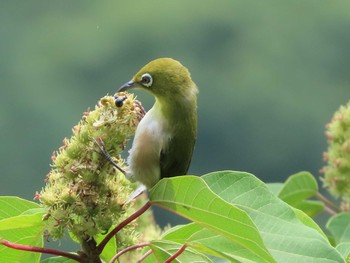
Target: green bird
x,y
165,138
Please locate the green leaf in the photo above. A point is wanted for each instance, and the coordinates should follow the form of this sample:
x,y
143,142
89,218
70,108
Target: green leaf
x,y
13,206
190,197
307,221
210,243
17,223
181,233
287,239
34,211
23,229
296,190
110,249
344,249
162,250
310,207
20,222
275,188
298,187
339,226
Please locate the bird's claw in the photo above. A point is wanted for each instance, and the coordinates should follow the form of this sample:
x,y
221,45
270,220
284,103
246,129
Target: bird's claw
x,y
101,145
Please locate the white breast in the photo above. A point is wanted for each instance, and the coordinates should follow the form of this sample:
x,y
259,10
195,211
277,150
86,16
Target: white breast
x,y
150,138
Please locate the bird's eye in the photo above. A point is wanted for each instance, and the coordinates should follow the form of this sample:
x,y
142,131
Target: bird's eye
x,y
146,80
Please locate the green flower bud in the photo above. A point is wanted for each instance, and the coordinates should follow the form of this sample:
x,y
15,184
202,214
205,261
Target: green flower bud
x,y
337,172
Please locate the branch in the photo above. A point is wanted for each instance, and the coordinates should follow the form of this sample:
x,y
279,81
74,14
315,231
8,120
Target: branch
x,y
40,250
330,206
178,253
131,218
128,249
90,250
329,211
149,252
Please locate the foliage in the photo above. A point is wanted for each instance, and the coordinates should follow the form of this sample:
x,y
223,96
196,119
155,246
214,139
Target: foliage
x,y
20,222
234,216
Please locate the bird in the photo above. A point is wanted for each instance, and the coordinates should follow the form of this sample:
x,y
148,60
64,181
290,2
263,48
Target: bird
x,y
164,139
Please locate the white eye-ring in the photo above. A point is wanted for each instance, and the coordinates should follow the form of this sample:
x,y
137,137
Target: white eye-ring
x,y
146,80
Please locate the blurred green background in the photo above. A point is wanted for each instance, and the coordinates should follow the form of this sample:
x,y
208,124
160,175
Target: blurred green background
x,y
270,74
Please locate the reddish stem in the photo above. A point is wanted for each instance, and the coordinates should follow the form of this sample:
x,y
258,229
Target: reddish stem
x,y
128,249
149,252
178,253
333,208
40,250
111,234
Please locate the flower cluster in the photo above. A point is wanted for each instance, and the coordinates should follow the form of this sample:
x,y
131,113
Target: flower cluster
x,y
84,193
337,172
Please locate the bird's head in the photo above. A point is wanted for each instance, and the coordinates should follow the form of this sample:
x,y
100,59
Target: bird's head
x,y
163,78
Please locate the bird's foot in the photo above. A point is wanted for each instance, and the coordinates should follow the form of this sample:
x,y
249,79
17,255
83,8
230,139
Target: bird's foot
x,y
101,145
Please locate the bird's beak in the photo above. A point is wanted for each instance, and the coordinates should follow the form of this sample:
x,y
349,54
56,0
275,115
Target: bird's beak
x,y
130,84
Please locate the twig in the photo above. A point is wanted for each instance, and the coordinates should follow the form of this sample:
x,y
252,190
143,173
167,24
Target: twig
x,y
328,203
329,211
111,234
149,252
178,253
128,249
40,250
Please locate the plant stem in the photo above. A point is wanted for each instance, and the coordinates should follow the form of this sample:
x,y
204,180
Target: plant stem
x,y
178,253
40,250
328,203
329,211
128,249
149,252
131,218
90,250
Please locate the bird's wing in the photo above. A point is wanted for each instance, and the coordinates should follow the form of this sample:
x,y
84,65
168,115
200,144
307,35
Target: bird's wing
x,y
175,159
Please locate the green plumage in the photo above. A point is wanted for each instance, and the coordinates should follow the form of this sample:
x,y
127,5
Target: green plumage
x,y
176,157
